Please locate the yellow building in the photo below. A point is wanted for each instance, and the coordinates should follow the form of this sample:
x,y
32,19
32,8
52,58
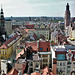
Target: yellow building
x,y
9,46
41,26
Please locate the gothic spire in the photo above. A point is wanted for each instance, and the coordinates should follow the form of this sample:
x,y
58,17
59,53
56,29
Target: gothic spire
x,y
1,10
67,6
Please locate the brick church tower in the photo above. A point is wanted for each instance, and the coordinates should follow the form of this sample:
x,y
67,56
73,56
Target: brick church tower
x,y
2,27
67,16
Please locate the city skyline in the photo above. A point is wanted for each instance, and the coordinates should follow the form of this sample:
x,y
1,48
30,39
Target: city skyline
x,y
26,8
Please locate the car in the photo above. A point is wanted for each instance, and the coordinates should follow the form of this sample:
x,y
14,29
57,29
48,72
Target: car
x,y
72,39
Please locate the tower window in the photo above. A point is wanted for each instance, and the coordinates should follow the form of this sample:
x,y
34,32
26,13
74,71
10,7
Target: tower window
x,y
41,48
47,49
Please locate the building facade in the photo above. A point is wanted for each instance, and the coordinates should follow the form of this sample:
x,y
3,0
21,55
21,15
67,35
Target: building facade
x,y
65,61
45,53
9,47
8,27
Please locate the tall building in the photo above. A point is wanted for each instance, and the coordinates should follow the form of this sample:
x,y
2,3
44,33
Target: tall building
x,y
8,27
67,15
2,26
64,61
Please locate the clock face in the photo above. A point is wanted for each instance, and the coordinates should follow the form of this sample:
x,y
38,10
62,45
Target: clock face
x,y
69,56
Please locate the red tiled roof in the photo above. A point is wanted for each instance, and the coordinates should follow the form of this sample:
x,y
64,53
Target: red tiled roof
x,y
13,71
28,30
46,71
35,73
30,26
15,26
33,45
44,45
21,53
5,45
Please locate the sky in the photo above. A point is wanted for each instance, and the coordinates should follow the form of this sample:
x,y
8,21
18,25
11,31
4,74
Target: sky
x,y
29,8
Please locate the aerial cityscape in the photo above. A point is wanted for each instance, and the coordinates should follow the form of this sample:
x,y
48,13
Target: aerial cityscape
x,y
39,40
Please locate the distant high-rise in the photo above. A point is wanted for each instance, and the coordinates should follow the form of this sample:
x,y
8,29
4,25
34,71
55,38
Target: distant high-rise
x,y
67,15
2,26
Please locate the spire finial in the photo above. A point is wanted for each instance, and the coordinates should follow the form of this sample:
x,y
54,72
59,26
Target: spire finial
x,y
67,3
1,6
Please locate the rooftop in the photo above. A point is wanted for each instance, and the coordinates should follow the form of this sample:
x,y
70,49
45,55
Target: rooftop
x,y
33,45
13,71
9,42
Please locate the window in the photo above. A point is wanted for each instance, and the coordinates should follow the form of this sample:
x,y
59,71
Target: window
x,y
45,60
57,63
60,56
57,70
68,67
31,64
74,63
69,63
41,48
5,57
64,64
60,70
5,50
47,49
5,53
60,63
64,68
74,56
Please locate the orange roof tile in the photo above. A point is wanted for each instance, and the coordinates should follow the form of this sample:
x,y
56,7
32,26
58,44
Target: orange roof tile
x,y
28,30
13,71
25,74
46,71
44,45
5,45
18,55
33,45
35,73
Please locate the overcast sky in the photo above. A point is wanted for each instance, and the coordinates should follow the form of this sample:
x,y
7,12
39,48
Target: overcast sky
x,y
24,8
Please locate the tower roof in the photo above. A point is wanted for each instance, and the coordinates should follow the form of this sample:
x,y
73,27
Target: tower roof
x,y
1,12
67,6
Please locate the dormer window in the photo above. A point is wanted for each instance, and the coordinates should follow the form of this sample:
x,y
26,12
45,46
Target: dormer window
x,y
3,47
41,48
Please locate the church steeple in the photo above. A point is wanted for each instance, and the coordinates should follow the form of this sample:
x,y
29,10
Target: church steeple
x,y
2,26
2,20
67,6
67,15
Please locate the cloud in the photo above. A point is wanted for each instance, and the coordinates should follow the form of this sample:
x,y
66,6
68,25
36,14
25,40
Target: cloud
x,y
36,7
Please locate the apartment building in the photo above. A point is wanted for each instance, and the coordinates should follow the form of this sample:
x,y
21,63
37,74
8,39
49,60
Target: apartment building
x,y
64,61
9,46
45,53
40,32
